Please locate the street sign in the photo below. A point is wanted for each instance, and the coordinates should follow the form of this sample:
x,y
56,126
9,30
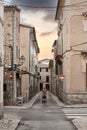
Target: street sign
x,y
11,76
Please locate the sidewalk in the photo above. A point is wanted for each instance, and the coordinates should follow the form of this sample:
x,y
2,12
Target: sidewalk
x,y
9,122
61,104
79,123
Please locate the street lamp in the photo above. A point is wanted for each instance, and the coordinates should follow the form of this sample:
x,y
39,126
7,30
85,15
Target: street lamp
x,y
22,60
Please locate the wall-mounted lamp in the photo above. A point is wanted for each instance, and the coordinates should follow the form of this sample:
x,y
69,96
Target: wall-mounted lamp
x,y
84,53
21,61
84,14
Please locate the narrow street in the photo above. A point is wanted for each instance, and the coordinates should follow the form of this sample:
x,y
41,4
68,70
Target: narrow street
x,y
47,116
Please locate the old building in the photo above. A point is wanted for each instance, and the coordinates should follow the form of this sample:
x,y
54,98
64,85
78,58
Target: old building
x,y
1,57
71,16
11,52
55,68
34,51
29,48
58,69
44,70
20,57
52,77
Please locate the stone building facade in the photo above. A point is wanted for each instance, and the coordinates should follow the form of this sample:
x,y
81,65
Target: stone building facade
x,y
11,51
52,76
56,68
71,16
29,48
19,40
45,77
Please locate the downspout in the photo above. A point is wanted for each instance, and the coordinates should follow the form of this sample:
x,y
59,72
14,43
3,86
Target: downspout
x,y
86,76
12,62
29,65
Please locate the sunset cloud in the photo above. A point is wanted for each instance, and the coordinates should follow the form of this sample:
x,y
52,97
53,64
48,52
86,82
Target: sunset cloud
x,y
41,15
46,33
37,3
49,17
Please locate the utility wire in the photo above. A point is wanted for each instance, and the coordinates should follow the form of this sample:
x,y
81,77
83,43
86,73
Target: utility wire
x,y
79,44
76,9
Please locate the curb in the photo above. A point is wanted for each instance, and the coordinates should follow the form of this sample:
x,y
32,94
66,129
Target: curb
x,y
74,125
31,102
17,125
61,104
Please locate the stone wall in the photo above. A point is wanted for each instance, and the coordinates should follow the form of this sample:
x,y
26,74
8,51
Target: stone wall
x,y
1,110
74,98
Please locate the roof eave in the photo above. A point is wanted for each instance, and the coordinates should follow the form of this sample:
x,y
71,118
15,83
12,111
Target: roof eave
x,y
56,18
59,9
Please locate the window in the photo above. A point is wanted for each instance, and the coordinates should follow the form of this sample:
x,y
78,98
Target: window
x,y
40,77
5,87
40,69
41,86
47,78
56,68
17,52
47,86
46,69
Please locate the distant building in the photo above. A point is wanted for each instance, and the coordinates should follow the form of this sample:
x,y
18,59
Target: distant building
x,y
52,76
72,50
1,57
44,70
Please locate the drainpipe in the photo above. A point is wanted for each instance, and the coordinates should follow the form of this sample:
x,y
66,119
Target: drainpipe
x,y
86,76
12,60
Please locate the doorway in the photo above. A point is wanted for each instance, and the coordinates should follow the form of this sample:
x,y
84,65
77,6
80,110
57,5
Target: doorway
x,y
41,86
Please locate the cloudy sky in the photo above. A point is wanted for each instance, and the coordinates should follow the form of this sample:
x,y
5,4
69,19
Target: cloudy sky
x,y
41,15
